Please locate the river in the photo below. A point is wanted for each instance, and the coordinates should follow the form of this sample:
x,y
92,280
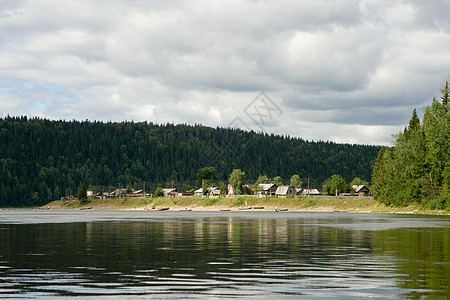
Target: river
x,y
49,254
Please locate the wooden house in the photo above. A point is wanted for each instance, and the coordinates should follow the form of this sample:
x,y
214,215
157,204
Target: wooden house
x,y
311,192
230,191
361,190
214,192
267,189
198,192
285,191
139,194
170,193
118,193
247,189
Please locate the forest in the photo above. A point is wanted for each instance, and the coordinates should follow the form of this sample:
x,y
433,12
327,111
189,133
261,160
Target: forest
x,y
42,160
418,168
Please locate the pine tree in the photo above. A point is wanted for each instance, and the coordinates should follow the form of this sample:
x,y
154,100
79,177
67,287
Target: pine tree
x,y
82,194
381,176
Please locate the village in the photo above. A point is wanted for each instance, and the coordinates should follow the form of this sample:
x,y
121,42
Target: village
x,y
264,190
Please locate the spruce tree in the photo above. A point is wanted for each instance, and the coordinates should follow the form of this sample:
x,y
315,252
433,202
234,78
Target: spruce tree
x,y
82,194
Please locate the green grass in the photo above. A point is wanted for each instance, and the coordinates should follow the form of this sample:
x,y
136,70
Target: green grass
x,y
310,203
211,201
239,201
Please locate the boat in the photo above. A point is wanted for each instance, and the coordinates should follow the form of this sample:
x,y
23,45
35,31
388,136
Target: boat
x,y
84,208
244,208
258,207
164,208
224,209
280,209
186,209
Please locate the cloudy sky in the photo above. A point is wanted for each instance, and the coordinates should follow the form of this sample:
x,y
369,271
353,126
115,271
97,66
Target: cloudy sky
x,y
346,71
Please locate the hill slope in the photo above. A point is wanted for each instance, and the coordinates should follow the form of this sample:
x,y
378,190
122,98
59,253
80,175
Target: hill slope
x,y
41,160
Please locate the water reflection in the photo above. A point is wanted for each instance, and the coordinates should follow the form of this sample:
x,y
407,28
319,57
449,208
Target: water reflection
x,y
218,256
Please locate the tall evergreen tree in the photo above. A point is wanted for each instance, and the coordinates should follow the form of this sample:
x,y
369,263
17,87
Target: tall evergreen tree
x,y
82,194
418,169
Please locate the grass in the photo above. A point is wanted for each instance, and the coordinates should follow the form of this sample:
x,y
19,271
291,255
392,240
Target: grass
x,y
211,201
310,203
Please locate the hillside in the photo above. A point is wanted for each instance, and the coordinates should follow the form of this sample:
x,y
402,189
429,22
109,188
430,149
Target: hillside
x,y
42,160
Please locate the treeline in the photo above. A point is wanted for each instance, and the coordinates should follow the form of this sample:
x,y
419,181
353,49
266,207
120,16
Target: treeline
x,y
418,168
42,160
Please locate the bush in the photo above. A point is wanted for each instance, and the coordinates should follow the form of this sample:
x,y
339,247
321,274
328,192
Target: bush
x,y
443,202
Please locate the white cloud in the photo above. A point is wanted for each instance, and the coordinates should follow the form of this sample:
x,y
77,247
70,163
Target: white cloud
x,y
348,70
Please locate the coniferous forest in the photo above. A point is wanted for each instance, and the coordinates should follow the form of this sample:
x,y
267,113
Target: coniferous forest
x,y
418,168
42,160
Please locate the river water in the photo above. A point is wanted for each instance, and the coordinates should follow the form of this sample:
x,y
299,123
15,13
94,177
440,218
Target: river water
x,y
47,254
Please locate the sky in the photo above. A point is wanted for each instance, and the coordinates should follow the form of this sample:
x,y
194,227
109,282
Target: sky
x,y
346,71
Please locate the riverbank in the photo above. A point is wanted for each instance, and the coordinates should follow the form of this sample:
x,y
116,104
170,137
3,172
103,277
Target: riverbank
x,y
235,204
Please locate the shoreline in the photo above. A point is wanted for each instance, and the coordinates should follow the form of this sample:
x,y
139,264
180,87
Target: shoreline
x,y
311,204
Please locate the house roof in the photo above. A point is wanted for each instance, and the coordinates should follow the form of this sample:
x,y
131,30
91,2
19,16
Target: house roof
x,y
117,192
359,187
282,190
311,192
169,192
214,190
247,189
266,186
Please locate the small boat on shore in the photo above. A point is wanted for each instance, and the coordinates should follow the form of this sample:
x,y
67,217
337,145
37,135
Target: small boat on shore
x,y
244,208
280,209
186,209
224,209
164,208
84,208
258,207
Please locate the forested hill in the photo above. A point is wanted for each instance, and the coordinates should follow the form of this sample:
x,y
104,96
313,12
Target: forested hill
x,y
42,160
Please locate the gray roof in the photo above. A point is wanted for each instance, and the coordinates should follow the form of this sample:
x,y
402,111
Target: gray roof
x,y
359,187
282,190
311,192
266,186
214,190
